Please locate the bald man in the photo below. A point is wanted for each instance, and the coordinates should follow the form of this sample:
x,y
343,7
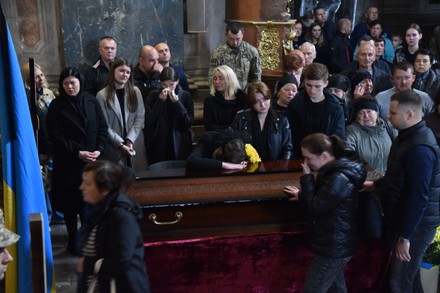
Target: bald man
x,y
309,52
147,71
365,58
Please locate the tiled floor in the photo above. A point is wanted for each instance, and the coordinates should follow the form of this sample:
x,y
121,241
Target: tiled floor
x,y
64,264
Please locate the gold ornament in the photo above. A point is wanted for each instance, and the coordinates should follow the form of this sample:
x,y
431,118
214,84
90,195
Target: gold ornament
x,y
268,47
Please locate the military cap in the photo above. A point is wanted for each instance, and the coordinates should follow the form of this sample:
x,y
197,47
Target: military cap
x,y
7,237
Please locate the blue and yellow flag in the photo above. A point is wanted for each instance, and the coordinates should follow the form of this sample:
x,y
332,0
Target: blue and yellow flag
x,y
22,181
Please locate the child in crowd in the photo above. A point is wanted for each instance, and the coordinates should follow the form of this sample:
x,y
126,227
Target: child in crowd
x,y
396,40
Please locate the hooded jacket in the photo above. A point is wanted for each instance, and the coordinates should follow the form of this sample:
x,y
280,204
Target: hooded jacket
x,y
332,199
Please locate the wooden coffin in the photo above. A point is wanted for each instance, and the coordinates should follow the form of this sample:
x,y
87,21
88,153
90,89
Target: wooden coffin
x,y
182,205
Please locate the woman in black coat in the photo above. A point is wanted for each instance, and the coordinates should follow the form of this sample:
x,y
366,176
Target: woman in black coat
x,y
267,129
77,133
169,114
112,247
225,101
332,200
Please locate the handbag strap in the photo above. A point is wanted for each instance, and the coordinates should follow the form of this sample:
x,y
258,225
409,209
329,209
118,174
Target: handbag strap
x,y
98,264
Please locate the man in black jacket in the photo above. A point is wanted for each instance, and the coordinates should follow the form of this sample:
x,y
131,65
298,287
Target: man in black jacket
x,y
315,109
146,73
340,48
96,76
410,190
365,58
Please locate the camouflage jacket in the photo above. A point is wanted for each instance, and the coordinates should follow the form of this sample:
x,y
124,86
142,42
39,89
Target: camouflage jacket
x,y
244,61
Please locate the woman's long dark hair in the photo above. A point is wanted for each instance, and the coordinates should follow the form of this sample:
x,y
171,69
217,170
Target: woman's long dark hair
x,y
317,143
129,88
168,73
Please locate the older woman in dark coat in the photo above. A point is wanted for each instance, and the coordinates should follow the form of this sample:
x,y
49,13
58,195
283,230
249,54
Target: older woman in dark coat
x,y
427,79
112,247
77,133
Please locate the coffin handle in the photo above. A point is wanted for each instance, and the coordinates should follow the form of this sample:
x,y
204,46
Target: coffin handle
x,y
152,217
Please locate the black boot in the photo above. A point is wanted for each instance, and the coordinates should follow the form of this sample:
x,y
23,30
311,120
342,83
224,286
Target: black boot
x,y
71,221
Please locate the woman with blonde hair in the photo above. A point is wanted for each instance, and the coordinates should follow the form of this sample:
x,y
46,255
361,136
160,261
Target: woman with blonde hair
x,y
44,97
226,98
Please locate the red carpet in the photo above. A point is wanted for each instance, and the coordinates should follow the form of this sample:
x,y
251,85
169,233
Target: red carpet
x,y
260,263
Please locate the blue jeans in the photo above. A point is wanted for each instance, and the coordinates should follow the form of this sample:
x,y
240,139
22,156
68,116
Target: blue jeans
x,y
405,276
326,274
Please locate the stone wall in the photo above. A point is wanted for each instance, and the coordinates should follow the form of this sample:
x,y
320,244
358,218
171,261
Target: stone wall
x,y
133,23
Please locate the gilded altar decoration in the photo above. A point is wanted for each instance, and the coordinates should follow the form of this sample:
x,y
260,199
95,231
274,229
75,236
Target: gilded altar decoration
x,y
288,41
290,33
269,42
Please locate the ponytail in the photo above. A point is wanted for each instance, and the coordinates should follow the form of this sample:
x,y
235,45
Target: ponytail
x,y
338,146
317,143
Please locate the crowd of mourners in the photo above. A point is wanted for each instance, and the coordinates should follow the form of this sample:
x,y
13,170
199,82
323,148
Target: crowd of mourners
x,y
336,97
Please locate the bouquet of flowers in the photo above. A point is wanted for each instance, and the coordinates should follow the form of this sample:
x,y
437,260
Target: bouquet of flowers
x,y
432,254
252,154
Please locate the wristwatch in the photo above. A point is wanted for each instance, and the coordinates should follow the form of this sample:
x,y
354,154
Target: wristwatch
x,y
402,240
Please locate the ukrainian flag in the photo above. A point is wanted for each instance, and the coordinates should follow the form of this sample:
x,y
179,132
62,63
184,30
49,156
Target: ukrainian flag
x,y
22,181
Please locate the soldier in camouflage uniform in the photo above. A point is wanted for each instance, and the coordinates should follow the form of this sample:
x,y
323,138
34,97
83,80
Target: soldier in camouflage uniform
x,y
7,238
241,56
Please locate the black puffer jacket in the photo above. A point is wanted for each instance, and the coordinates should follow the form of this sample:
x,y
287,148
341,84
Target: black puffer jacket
x,y
332,200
